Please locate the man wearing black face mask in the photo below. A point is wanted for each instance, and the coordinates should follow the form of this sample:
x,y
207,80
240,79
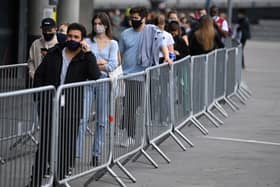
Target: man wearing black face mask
x,y
40,46
65,63
140,47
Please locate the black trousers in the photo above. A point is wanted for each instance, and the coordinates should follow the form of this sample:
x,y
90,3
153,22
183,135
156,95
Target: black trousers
x,y
132,100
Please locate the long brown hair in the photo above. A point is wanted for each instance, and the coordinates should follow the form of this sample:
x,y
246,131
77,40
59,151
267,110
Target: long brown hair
x,y
105,20
205,35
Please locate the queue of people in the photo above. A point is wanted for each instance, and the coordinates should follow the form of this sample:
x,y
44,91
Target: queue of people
x,y
67,54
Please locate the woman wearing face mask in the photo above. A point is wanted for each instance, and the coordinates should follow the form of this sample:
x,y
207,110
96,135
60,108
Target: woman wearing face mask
x,y
106,51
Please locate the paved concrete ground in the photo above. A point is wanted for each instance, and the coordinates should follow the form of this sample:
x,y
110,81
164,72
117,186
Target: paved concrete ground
x,y
226,157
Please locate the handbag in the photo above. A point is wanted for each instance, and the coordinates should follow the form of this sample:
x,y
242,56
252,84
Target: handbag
x,y
116,72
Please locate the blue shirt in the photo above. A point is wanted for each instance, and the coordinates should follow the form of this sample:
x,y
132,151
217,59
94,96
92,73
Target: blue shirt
x,y
108,53
128,44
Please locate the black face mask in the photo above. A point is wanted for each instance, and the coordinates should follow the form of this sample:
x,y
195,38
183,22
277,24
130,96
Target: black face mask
x,y
136,23
48,36
72,45
61,38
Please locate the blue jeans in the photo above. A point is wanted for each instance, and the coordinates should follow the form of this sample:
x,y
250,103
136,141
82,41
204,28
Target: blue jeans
x,y
102,117
101,95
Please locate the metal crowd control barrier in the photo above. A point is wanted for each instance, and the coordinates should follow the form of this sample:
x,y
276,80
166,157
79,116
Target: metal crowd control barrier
x,y
129,122
14,77
241,88
219,84
210,88
75,152
230,77
234,77
159,98
25,150
181,100
125,116
199,92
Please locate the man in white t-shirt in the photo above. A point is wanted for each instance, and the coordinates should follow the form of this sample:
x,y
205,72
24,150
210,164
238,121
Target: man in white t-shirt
x,y
169,41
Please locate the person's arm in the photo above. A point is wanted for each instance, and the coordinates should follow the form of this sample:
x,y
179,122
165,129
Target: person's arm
x,y
113,57
165,53
30,61
93,70
39,74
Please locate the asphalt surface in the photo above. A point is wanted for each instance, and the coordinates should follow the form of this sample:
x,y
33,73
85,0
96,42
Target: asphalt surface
x,y
244,152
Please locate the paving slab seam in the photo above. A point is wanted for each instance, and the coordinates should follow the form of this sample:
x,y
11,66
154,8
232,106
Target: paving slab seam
x,y
242,140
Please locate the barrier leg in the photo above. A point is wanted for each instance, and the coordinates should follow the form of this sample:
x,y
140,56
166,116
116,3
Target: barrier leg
x,y
102,172
231,105
160,152
98,175
66,184
149,158
28,136
221,109
114,175
183,137
140,153
146,155
241,99
199,126
128,174
215,117
245,88
211,119
177,141
244,93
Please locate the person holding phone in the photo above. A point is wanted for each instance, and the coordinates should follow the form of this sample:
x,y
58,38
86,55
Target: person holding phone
x,y
65,63
40,46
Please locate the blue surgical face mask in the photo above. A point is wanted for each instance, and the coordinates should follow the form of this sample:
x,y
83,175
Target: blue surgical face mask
x,y
72,45
61,38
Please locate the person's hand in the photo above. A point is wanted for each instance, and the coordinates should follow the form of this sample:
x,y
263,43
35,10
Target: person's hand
x,y
102,62
176,53
168,60
85,46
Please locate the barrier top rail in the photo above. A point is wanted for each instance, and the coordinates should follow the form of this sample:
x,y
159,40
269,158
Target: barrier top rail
x,y
31,90
13,65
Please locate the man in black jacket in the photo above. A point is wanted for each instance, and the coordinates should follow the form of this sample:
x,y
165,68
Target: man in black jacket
x,y
244,28
65,63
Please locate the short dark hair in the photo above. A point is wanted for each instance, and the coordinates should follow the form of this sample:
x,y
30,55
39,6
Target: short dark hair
x,y
142,11
174,26
77,26
214,10
171,12
242,11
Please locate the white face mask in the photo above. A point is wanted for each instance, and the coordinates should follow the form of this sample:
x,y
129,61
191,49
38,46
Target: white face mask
x,y
99,29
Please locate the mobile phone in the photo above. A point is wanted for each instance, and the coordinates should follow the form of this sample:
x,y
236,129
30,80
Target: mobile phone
x,y
44,49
